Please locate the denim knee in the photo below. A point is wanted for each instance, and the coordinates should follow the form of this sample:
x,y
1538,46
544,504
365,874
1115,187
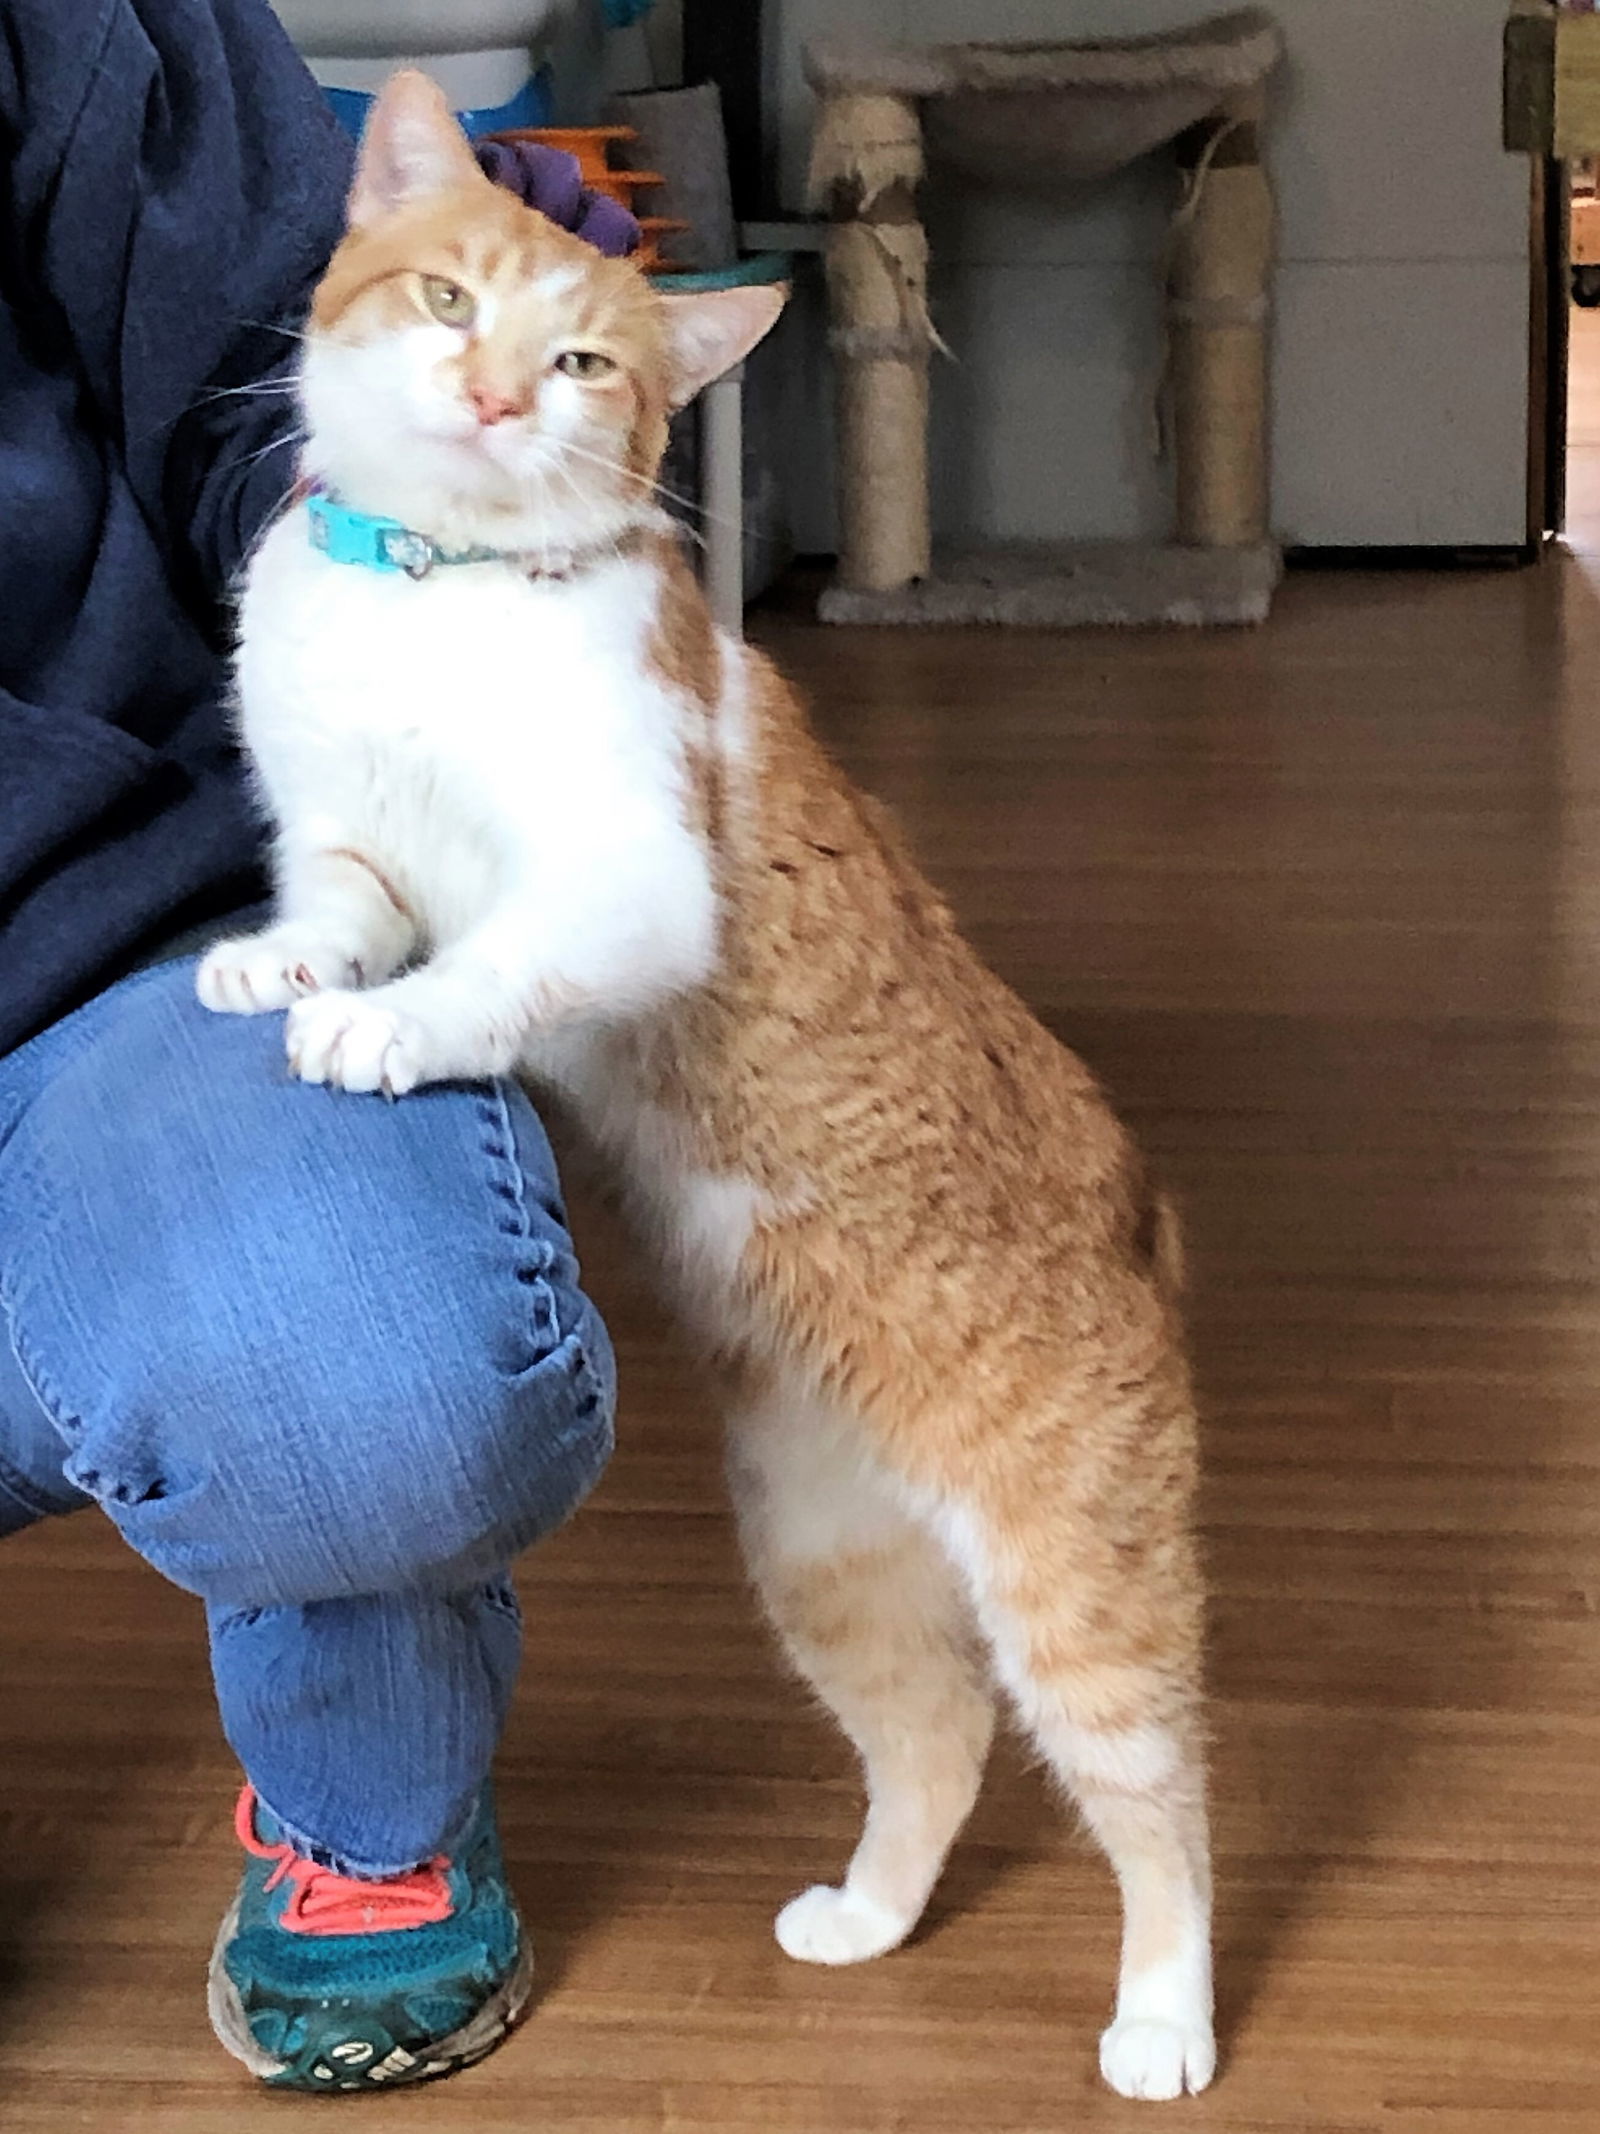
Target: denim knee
x,y
421,1482
300,1347
383,1471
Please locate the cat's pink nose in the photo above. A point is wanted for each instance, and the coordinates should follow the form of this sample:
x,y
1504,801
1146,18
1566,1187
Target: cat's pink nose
x,y
491,406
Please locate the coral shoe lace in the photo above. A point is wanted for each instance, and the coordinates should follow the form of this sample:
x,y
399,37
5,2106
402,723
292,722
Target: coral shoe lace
x,y
323,1902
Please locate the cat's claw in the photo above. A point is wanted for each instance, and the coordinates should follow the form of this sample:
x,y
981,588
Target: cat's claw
x,y
1141,2057
349,1042
838,1926
261,972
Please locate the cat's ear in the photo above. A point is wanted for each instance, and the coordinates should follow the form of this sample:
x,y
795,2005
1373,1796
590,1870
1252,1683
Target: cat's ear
x,y
411,149
709,333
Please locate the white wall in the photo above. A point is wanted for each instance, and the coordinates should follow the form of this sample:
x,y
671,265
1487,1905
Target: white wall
x,y
1401,340
590,61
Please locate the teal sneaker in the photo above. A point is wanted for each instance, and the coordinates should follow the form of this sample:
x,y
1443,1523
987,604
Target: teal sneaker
x,y
320,1982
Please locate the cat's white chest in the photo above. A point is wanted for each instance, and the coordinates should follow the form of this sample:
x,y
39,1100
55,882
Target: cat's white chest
x,y
482,734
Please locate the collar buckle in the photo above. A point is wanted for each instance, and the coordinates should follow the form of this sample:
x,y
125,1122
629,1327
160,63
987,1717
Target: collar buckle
x,y
406,551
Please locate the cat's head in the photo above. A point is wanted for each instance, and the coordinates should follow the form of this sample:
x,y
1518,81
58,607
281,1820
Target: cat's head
x,y
482,375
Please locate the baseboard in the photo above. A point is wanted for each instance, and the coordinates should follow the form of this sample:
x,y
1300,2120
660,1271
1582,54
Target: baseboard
x,y
1452,556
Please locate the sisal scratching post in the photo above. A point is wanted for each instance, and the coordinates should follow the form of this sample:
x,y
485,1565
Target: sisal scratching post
x,y
1043,116
865,167
1217,322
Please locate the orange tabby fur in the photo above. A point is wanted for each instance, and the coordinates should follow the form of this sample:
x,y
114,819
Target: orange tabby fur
x,y
482,236
961,1252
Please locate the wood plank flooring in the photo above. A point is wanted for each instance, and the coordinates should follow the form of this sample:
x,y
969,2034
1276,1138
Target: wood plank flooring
x,y
1321,903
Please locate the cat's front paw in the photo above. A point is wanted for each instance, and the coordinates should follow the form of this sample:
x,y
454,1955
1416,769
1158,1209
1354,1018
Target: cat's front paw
x,y
838,1926
260,972
1144,2057
352,1041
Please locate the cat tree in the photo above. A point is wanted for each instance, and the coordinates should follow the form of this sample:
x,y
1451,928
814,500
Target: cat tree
x,y
1044,116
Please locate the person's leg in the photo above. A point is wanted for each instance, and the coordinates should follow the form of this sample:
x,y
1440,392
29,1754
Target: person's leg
x,y
33,1452
324,1361
32,1484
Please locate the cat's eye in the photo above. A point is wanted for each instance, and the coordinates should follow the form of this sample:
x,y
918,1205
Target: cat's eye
x,y
450,304
585,363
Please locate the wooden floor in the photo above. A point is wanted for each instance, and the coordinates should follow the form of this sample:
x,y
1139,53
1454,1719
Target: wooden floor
x,y
1322,904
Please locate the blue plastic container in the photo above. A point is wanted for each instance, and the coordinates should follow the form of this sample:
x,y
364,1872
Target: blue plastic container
x,y
529,107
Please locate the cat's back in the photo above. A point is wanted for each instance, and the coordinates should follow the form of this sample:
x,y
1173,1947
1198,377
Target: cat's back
x,y
858,1040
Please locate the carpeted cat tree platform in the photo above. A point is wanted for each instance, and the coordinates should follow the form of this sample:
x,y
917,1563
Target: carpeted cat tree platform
x,y
1043,116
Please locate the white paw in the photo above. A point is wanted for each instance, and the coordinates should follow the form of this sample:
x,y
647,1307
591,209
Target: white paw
x,y
260,972
352,1042
835,1926
1142,2057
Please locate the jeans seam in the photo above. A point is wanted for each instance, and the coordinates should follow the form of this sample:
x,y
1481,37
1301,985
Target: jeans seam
x,y
531,1256
583,1449
33,1371
340,1863
12,1479
87,1487
500,1595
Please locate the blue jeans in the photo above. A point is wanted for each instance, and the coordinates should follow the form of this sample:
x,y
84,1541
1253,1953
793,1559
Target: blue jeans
x,y
324,1362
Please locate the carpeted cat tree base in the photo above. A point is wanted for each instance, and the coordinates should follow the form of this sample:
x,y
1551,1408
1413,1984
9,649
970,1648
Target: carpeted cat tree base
x,y
1075,585
1044,115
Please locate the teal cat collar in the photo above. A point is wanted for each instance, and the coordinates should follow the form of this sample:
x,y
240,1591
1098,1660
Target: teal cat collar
x,y
346,536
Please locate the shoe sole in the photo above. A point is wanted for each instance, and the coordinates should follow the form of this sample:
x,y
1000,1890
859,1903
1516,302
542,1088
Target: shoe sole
x,y
445,2056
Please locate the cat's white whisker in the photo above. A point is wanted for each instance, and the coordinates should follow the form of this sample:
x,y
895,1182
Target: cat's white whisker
x,y
562,474
289,333
643,481
259,389
273,444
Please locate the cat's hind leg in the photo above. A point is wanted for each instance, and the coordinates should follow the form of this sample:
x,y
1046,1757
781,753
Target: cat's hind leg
x,y
1087,1591
871,1615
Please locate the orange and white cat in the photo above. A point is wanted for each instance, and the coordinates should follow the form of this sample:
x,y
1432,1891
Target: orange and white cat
x,y
535,813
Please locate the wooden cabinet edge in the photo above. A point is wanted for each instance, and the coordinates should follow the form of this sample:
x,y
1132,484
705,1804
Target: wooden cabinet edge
x,y
1551,91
